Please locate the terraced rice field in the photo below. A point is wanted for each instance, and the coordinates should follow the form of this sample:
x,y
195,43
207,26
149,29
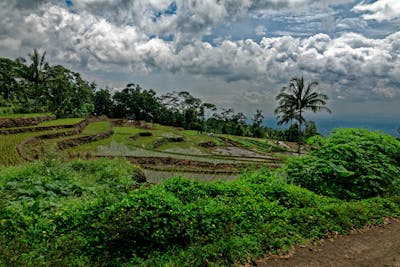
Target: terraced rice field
x,y
155,147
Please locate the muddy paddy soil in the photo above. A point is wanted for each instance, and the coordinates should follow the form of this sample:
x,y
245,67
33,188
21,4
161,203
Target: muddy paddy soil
x,y
369,247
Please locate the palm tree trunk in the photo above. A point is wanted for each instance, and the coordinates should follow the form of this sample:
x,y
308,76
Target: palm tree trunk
x,y
299,141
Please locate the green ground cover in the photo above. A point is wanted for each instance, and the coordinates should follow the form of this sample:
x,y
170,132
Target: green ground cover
x,y
158,177
49,146
94,213
122,136
63,121
87,214
96,127
256,144
56,122
8,144
121,144
349,164
25,115
91,129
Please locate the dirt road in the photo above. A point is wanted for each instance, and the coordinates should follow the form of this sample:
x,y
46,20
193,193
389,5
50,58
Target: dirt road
x,y
369,247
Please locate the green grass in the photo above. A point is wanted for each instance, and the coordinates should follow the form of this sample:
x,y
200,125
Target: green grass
x,y
26,115
185,148
64,121
256,144
197,138
51,144
8,144
57,122
96,127
120,144
191,145
122,136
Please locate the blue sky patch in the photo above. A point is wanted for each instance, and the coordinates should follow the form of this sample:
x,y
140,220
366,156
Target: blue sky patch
x,y
171,10
69,3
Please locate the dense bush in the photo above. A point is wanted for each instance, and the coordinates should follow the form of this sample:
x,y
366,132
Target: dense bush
x,y
178,223
41,203
349,164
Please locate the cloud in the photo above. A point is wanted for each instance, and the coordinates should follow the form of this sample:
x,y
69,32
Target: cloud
x,y
349,66
380,10
260,30
349,24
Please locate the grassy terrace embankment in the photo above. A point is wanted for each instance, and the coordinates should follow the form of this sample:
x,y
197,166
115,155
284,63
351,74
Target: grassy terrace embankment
x,y
9,142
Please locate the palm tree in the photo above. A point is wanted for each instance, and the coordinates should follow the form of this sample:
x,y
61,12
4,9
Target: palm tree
x,y
288,115
35,74
297,98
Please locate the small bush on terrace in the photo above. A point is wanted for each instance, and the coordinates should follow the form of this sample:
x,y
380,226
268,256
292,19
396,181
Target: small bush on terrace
x,y
349,164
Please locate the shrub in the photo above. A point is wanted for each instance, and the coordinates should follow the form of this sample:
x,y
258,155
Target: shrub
x,y
100,220
45,205
349,164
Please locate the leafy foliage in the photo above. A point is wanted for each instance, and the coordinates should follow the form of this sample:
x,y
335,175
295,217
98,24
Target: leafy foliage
x,y
39,87
49,216
35,86
349,164
297,98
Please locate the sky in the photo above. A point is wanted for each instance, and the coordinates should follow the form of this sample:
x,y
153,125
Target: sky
x,y
231,53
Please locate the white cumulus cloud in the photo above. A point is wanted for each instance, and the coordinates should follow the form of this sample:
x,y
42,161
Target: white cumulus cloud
x,y
380,10
160,36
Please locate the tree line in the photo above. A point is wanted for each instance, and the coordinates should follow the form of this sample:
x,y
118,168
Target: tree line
x,y
33,85
38,87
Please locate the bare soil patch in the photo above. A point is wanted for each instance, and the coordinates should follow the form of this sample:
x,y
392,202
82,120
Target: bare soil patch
x,y
370,246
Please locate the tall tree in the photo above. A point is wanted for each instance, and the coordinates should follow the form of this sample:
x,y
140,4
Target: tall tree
x,y
8,78
103,104
297,98
256,128
35,75
191,109
67,94
135,103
